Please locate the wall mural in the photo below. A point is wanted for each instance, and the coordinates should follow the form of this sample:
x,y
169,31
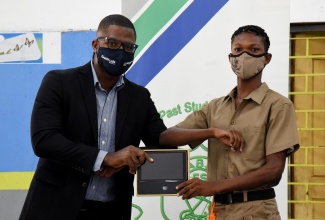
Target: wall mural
x,y
181,78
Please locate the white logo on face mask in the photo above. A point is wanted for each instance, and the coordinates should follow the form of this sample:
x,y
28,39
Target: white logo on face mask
x,y
127,63
109,60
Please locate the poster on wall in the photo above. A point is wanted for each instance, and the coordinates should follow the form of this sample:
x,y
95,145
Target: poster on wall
x,y
20,48
30,48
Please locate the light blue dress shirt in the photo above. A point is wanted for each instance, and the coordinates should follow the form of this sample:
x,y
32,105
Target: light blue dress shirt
x,y
102,188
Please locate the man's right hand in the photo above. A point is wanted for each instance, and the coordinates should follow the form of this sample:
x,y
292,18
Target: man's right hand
x,y
130,156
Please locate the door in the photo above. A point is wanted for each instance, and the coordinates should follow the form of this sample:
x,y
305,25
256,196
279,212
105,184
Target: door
x,y
307,165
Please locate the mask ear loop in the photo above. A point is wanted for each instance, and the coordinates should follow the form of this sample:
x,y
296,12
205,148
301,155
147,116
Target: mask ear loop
x,y
95,52
98,45
264,65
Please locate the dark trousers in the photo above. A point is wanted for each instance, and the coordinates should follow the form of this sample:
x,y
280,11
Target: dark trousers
x,y
93,210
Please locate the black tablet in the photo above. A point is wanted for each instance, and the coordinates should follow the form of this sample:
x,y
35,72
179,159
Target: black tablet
x,y
169,169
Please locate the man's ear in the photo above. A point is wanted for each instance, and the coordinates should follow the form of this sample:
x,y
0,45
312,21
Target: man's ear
x,y
94,45
268,58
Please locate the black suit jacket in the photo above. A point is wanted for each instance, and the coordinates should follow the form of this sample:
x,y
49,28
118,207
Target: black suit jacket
x,y
64,135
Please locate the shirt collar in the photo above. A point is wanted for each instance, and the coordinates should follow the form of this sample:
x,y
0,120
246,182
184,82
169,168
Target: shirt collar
x,y
257,95
118,85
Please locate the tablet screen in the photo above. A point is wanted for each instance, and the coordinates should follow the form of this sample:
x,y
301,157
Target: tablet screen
x,y
166,166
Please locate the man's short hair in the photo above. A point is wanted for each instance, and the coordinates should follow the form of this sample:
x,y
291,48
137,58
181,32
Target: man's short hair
x,y
116,19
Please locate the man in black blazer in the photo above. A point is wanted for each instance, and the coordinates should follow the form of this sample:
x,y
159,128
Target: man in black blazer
x,y
86,127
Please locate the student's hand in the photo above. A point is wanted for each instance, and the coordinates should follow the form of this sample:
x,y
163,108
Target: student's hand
x,y
195,187
231,138
130,156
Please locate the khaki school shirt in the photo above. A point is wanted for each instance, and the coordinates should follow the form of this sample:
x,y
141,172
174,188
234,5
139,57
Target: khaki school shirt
x,y
265,119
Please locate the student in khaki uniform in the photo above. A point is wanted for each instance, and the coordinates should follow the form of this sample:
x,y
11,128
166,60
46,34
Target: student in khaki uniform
x,y
250,133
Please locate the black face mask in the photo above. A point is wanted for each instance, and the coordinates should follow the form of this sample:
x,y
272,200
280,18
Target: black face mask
x,y
115,62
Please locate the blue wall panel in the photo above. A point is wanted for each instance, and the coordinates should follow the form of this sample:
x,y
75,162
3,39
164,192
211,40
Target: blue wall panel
x,y
19,84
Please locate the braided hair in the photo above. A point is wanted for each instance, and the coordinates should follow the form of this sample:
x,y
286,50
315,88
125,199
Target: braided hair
x,y
253,29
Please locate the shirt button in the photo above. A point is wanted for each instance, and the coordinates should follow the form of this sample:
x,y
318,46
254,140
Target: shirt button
x,y
103,142
105,119
84,185
232,123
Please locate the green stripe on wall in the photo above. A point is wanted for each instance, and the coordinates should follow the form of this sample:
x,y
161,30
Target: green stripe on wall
x,y
154,18
15,180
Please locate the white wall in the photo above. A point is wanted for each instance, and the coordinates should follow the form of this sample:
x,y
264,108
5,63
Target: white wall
x,y
307,11
59,15
74,15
